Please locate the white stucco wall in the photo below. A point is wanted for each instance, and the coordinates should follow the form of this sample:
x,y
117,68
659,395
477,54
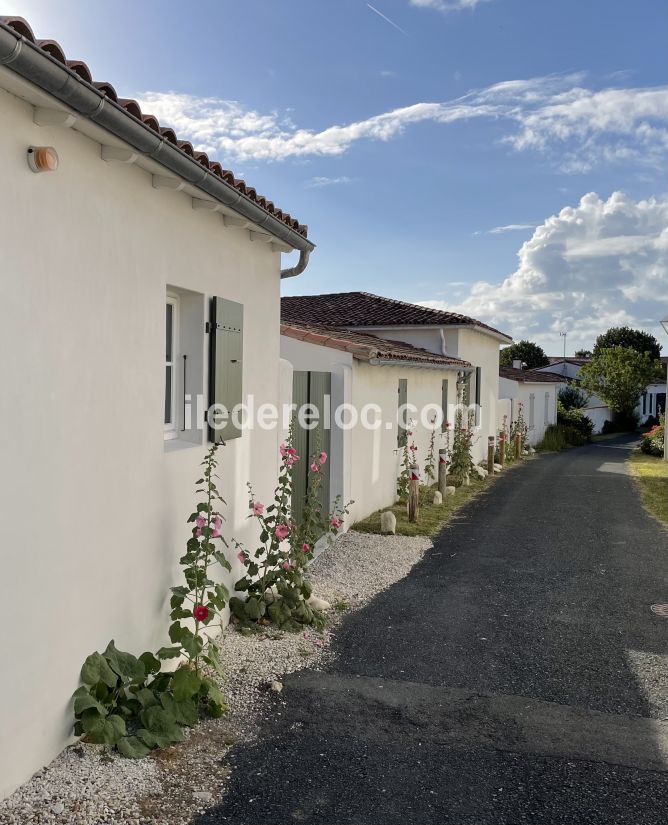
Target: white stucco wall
x,y
376,458
477,347
92,506
545,404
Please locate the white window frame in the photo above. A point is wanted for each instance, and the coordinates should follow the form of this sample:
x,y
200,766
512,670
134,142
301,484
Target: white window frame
x,y
171,429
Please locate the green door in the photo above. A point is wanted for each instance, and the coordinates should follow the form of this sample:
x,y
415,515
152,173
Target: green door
x,y
312,388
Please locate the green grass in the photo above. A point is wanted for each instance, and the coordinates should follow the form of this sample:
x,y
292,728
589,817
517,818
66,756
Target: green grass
x,y
651,474
432,516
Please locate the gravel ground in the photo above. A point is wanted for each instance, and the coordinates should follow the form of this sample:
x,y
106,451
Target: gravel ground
x,y
86,786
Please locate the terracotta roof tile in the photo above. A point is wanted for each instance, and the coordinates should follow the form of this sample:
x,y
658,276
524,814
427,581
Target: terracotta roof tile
x,y
366,346
131,106
531,376
361,309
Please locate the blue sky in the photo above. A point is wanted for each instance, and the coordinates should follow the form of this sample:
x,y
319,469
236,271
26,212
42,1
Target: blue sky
x,y
457,118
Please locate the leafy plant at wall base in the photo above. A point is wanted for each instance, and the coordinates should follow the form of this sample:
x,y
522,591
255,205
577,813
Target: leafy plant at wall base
x,y
405,472
127,702
520,426
429,472
201,600
275,583
461,462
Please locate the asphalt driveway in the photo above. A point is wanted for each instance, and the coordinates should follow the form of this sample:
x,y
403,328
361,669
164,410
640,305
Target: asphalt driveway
x,y
517,675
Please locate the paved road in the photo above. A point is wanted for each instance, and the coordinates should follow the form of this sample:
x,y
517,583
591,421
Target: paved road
x,y
517,675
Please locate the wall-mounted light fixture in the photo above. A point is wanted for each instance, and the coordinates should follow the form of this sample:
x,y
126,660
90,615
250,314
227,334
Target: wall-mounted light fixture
x,y
42,158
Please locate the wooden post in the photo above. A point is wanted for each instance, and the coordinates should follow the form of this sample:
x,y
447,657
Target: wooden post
x,y
490,455
442,471
518,446
414,494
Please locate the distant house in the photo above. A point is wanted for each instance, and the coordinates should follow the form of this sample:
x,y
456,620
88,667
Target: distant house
x,y
138,274
378,350
651,402
536,391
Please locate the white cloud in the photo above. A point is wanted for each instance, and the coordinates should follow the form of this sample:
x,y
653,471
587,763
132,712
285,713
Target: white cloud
x,y
509,227
320,181
601,263
447,5
552,115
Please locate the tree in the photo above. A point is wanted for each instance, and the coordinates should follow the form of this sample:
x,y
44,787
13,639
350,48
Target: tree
x,y
526,351
573,398
583,353
636,339
618,375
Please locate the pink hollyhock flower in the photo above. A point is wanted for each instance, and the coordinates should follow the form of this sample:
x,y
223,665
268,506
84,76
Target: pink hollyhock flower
x,y
200,521
283,449
336,522
292,451
305,547
201,612
241,557
323,457
258,508
286,565
198,532
314,467
217,526
282,531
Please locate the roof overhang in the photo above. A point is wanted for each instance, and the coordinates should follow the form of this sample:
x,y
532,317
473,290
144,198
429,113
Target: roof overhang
x,y
28,72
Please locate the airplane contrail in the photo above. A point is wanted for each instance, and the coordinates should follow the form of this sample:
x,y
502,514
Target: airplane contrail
x,y
386,19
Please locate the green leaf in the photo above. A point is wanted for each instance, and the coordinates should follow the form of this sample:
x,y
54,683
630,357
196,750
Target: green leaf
x,y
101,730
96,669
84,701
242,584
185,711
222,560
150,662
146,698
169,652
215,697
176,632
162,727
237,607
180,613
132,747
222,593
254,608
127,666
185,683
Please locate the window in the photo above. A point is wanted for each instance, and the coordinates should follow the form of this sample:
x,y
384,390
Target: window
x,y
402,424
171,342
651,399
546,420
644,403
532,410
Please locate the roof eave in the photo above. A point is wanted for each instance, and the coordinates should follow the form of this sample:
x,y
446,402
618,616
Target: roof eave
x,y
43,71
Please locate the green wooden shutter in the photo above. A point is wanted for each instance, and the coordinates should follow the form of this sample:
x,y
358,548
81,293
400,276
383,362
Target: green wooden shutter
x,y
300,442
402,432
226,362
478,387
320,390
466,390
444,402
310,388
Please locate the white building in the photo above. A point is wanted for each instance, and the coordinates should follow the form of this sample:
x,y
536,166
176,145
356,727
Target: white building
x,y
111,264
396,352
361,370
537,392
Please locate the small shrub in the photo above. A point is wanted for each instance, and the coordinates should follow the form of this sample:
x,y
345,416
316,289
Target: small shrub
x,y
553,440
573,397
578,426
654,440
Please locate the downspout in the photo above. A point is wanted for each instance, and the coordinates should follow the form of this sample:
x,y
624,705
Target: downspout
x,y
300,266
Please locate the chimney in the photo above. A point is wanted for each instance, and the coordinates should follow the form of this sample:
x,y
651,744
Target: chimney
x,y
517,365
